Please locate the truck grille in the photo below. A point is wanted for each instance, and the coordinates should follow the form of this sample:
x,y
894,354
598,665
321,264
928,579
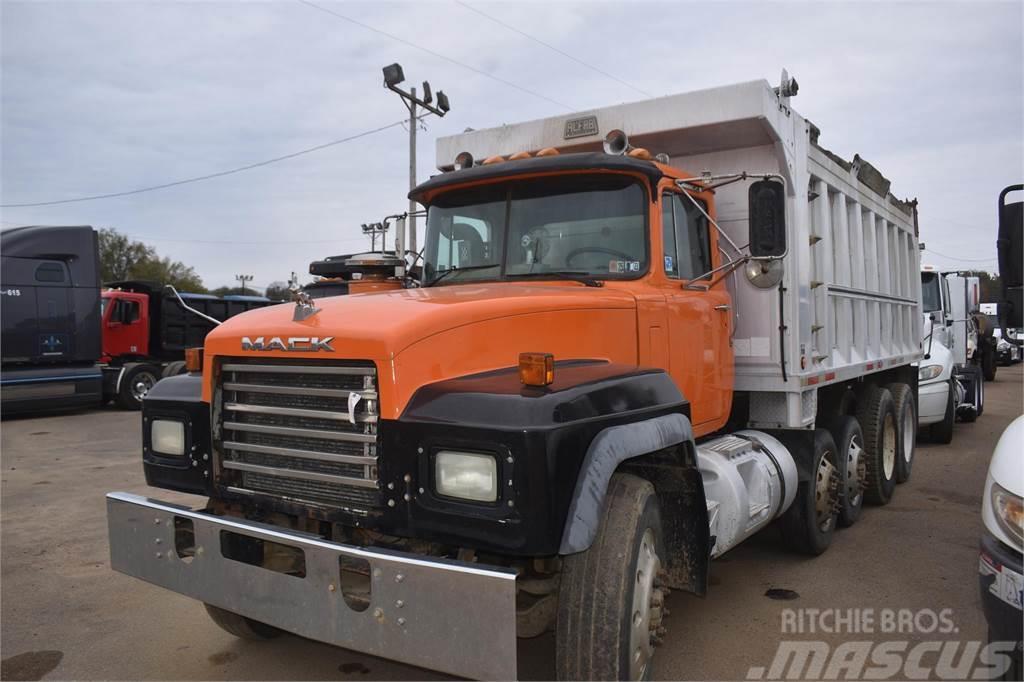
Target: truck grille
x,y
285,430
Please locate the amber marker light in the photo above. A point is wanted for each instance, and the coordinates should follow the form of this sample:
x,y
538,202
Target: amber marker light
x,y
194,359
536,369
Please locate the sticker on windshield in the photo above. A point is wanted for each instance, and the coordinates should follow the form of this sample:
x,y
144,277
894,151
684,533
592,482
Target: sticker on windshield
x,y
622,266
668,264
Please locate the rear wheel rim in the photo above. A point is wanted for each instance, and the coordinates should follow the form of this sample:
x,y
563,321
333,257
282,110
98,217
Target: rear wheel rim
x,y
141,383
823,503
856,472
908,435
888,447
644,620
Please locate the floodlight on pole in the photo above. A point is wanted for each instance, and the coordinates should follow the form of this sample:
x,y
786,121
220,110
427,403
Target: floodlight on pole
x,y
393,75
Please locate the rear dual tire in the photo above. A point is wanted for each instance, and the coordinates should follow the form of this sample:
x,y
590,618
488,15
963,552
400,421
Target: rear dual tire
x,y
878,418
906,423
810,522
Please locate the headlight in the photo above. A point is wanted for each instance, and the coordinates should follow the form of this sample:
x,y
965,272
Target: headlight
x,y
168,437
1002,345
929,372
466,475
1009,510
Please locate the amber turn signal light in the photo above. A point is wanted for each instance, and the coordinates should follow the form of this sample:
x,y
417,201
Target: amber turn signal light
x,y
194,359
536,369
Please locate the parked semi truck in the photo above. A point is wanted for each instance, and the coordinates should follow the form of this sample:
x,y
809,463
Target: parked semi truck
x,y
147,326
51,318
952,382
619,365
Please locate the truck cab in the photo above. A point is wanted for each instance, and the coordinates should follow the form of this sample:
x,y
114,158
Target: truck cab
x,y
125,324
951,377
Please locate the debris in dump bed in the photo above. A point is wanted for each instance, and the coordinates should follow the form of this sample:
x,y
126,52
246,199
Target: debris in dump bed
x,y
781,594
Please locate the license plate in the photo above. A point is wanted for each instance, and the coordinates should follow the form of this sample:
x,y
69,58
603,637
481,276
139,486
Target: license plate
x,y
1008,585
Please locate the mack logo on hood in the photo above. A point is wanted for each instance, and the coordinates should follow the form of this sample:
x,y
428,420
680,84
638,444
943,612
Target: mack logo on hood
x,y
303,344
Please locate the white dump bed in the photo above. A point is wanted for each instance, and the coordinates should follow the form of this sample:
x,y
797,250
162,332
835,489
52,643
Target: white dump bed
x,y
849,298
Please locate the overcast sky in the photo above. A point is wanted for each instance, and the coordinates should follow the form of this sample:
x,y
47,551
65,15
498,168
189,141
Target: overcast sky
x,y
101,97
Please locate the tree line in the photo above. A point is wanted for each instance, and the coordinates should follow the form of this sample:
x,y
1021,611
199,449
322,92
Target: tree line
x,y
122,259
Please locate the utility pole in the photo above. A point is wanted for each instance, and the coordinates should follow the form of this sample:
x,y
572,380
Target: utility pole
x,y
243,279
393,75
412,167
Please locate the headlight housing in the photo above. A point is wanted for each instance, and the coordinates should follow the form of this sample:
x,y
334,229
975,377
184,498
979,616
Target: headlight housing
x,y
929,372
466,475
167,437
1009,512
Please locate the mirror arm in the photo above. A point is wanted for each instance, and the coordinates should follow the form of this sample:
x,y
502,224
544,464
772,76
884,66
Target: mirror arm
x,y
187,307
725,269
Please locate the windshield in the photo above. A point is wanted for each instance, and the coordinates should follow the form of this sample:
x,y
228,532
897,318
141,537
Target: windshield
x,y
585,224
930,297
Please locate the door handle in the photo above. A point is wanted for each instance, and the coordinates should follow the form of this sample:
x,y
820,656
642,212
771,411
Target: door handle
x,y
724,307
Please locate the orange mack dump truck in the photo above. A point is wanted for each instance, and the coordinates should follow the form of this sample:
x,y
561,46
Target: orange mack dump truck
x,y
642,334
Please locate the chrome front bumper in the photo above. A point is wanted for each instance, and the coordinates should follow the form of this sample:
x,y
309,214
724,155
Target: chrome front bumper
x,y
455,617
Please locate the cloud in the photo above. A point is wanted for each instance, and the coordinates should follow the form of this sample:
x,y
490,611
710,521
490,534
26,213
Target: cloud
x,y
107,96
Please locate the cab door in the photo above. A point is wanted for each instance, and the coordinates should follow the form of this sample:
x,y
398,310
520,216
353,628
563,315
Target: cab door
x,y
699,315
125,325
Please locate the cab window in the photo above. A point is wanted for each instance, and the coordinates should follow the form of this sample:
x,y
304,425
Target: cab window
x,y
686,237
50,272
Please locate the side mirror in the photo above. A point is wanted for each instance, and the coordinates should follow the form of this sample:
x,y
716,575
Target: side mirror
x,y
767,219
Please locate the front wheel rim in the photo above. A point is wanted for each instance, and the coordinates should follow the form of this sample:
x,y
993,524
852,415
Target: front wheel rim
x,y
646,613
141,385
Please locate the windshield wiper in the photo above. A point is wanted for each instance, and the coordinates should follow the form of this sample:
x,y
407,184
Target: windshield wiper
x,y
570,275
449,271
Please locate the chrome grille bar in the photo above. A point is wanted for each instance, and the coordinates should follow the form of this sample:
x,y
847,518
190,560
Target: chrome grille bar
x,y
296,412
301,369
301,433
304,475
298,390
304,454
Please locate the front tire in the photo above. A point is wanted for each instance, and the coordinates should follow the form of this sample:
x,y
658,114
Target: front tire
x,y
138,379
877,417
942,432
240,626
610,602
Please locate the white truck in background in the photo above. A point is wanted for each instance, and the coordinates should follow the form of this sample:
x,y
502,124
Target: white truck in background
x,y
950,386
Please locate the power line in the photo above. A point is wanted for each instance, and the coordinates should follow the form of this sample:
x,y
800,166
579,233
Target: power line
x,y
210,176
553,48
438,55
965,260
236,242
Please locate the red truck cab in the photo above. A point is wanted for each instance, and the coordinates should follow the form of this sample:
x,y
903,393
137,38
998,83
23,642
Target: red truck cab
x,y
125,324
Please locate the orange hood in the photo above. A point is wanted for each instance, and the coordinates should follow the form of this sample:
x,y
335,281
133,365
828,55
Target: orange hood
x,y
418,336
